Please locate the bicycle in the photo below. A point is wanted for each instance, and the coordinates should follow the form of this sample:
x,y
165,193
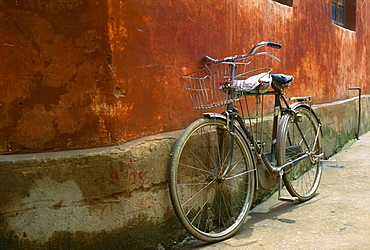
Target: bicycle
x,y
218,159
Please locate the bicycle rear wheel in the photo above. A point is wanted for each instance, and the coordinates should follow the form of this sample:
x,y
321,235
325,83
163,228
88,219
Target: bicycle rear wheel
x,y
300,134
211,188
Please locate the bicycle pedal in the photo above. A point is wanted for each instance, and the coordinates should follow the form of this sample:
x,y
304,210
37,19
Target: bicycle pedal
x,y
292,199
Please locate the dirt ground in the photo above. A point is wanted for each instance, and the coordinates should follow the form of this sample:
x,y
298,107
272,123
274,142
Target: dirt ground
x,y
338,217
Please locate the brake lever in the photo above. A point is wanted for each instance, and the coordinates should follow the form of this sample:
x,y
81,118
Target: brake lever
x,y
268,54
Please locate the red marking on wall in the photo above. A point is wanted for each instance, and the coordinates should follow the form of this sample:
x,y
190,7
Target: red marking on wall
x,y
125,170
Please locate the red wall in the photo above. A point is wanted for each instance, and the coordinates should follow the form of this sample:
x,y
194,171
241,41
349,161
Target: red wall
x,y
78,74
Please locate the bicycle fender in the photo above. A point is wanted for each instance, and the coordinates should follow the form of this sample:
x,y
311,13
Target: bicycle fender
x,y
214,115
298,104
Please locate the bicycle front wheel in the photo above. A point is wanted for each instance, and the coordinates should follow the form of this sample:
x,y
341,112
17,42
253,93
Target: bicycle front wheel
x,y
212,179
300,138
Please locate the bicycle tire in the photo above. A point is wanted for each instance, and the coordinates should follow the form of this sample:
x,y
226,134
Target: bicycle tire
x,y
211,205
302,179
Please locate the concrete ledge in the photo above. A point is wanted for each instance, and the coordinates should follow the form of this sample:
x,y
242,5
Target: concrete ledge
x,y
115,196
339,121
86,196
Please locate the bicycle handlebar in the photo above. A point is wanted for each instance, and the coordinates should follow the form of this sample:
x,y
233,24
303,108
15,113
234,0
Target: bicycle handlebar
x,y
251,53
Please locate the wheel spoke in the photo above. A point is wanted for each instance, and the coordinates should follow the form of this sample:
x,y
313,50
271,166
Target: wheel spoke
x,y
199,169
240,174
197,193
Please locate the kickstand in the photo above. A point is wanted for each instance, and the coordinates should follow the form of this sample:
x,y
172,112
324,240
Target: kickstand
x,y
283,198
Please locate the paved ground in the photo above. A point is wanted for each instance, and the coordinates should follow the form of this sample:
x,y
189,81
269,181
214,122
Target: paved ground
x,y
337,218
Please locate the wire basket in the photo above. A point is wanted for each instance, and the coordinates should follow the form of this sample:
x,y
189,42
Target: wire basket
x,y
212,87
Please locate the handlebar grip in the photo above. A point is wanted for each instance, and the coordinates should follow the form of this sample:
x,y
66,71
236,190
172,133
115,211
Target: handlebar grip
x,y
274,45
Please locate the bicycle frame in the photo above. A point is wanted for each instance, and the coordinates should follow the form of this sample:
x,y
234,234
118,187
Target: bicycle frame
x,y
279,104
281,107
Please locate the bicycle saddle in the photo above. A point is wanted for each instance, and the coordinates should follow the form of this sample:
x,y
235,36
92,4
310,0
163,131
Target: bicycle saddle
x,y
281,78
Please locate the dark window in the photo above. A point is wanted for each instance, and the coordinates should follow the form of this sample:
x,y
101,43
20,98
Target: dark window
x,y
286,2
343,13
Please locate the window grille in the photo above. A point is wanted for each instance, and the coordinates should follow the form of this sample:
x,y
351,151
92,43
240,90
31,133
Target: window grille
x,y
343,13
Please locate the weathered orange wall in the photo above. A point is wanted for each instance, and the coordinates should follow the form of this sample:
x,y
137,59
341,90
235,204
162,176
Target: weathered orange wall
x,y
78,74
53,74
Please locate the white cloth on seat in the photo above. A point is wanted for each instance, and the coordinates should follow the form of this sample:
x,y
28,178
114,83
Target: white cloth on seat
x,y
257,83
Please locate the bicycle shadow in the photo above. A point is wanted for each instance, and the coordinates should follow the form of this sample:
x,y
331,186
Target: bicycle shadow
x,y
271,209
